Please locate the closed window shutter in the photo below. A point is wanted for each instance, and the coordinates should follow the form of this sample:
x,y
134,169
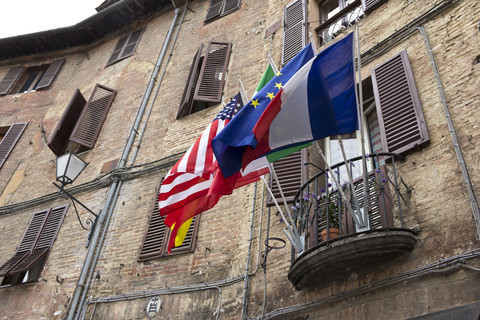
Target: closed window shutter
x,y
28,242
294,36
230,6
9,140
190,240
59,139
291,174
117,50
88,126
155,237
212,75
50,74
400,115
371,4
214,10
45,240
10,79
131,44
187,98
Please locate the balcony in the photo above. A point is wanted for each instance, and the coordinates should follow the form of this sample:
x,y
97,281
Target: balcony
x,y
337,241
339,21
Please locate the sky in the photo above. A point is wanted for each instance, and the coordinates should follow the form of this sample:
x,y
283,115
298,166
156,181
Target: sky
x,y
28,16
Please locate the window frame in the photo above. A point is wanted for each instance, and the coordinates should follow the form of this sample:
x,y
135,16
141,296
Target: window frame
x,y
82,121
10,139
17,77
222,7
157,236
201,90
125,47
27,263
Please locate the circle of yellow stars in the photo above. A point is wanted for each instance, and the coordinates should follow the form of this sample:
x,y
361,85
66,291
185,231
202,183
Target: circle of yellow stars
x,y
270,95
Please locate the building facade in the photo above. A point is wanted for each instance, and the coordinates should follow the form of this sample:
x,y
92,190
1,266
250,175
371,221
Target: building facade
x,y
131,88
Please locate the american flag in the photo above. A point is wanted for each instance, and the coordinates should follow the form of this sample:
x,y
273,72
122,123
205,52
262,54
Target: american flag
x,y
195,183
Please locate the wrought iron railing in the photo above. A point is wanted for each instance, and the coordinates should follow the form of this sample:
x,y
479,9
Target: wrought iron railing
x,y
348,16
319,211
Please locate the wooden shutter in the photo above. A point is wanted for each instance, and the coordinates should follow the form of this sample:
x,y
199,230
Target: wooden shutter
x,y
156,235
230,6
190,240
125,47
131,44
117,50
400,115
10,78
291,173
214,10
187,98
294,35
50,74
9,140
45,240
59,139
212,75
28,241
91,120
371,4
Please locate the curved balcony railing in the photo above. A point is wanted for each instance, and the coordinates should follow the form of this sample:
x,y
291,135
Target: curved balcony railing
x,y
321,215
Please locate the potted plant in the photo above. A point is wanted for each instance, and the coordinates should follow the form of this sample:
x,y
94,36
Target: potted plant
x,y
331,213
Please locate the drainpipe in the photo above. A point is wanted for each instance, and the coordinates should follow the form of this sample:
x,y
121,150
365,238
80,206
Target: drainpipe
x,y
90,260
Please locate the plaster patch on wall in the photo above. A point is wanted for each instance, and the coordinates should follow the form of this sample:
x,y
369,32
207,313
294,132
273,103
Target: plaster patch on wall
x,y
13,184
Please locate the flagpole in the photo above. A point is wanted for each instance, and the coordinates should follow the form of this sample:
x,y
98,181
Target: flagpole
x,y
362,138
350,180
342,194
272,63
243,93
292,237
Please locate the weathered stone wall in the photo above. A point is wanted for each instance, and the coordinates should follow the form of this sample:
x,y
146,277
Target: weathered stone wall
x,y
438,207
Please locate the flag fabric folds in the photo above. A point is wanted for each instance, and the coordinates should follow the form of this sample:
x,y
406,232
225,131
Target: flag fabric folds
x,y
195,183
317,102
230,145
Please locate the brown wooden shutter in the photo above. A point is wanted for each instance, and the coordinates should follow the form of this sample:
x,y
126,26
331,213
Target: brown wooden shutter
x,y
294,35
156,235
45,240
212,75
187,98
371,4
117,50
88,126
400,115
28,241
291,173
59,139
214,10
190,240
50,74
9,140
131,44
230,6
10,78
156,238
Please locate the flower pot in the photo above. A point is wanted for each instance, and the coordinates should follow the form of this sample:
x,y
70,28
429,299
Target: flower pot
x,y
334,232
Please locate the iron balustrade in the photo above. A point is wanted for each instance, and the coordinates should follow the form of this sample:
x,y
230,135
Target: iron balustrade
x,y
319,207
334,26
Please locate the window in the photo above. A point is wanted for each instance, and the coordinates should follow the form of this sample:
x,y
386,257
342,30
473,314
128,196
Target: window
x,y
25,79
158,234
8,138
81,122
27,263
206,79
220,8
125,47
